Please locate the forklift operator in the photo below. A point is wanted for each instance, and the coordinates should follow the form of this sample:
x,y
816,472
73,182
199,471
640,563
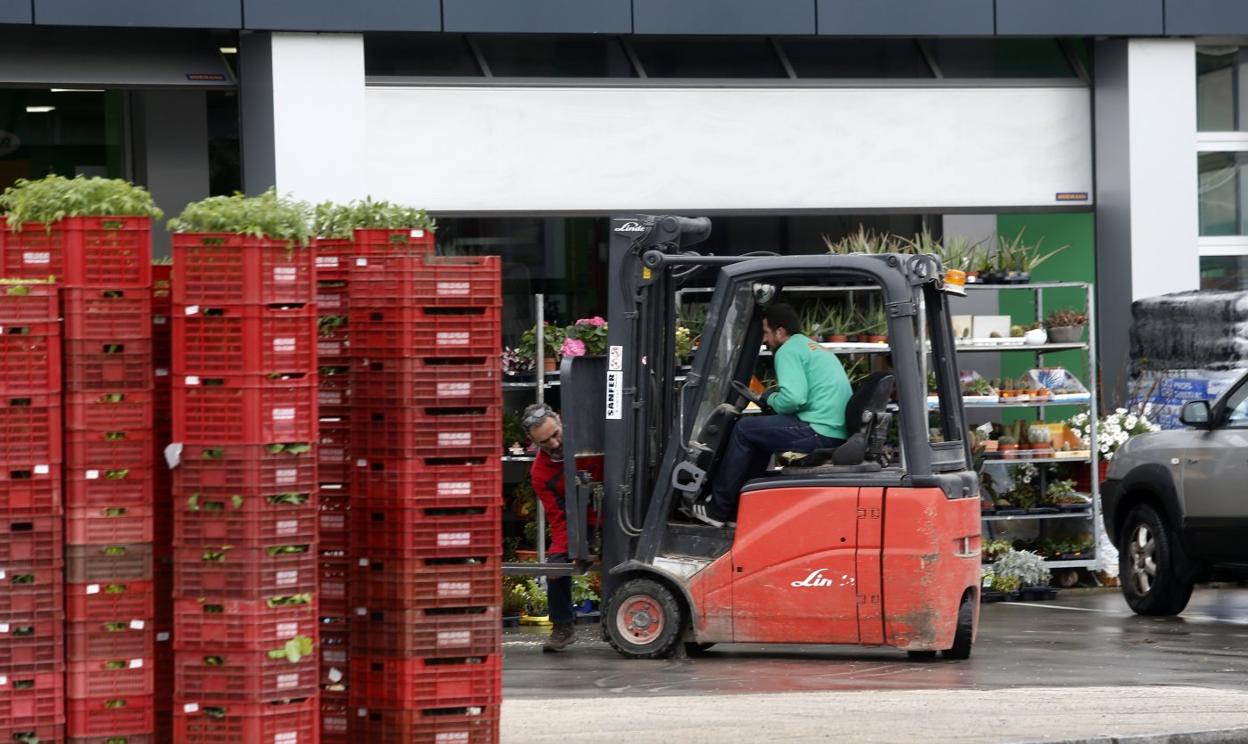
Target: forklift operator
x,y
809,413
545,429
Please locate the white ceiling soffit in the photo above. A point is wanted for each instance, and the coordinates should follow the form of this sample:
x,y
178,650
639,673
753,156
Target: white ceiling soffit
x,y
112,58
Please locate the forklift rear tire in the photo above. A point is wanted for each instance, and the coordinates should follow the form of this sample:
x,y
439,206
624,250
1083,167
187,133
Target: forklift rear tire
x,y
963,637
644,620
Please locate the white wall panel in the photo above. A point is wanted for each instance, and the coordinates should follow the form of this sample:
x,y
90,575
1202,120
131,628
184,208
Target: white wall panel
x,y
606,149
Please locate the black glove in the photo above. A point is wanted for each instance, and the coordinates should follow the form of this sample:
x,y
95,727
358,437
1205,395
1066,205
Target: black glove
x,y
762,399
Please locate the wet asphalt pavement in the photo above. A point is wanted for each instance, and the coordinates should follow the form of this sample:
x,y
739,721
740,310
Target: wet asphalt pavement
x,y
1084,638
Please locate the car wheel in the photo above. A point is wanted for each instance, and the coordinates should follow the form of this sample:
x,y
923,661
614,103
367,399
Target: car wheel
x,y
1149,563
644,620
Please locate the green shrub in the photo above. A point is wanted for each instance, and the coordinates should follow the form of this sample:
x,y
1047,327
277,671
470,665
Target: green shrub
x,y
54,198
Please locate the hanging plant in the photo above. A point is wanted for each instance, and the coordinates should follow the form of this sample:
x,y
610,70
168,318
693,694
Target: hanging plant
x,y
55,198
265,216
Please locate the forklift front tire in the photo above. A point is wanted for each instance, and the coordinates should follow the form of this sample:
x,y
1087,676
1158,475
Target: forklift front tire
x,y
644,620
963,637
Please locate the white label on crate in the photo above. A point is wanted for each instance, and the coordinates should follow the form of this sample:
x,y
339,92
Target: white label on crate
x,y
455,438
331,397
332,454
333,521
285,345
41,470
92,475
4,627
361,712
285,273
334,657
454,389
287,681
331,486
36,257
361,611
454,588
162,636
3,680
191,310
327,262
287,527
190,708
328,301
1,574
454,539
159,320
283,414
286,737
162,372
454,638
287,475
192,380
454,488
361,262
334,675
91,588
364,563
329,348
137,624
287,578
454,338
451,737
453,288
287,630
136,663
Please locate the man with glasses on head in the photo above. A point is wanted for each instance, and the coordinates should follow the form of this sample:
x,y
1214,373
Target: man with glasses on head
x,y
545,429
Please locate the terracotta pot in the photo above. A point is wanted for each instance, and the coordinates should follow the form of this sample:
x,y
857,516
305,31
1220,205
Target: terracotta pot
x,y
837,338
550,364
877,339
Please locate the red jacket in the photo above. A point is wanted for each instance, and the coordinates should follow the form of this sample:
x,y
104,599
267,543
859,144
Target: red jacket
x,y
547,476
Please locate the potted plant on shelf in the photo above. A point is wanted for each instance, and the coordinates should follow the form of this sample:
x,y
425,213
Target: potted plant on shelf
x,y
584,595
516,365
1018,260
552,345
585,337
684,345
1066,326
1035,335
1023,567
876,324
536,610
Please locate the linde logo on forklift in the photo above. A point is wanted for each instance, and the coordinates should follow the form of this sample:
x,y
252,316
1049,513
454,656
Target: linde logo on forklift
x,y
816,578
631,227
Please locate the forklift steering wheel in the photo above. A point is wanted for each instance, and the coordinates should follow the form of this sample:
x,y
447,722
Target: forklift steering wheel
x,y
746,393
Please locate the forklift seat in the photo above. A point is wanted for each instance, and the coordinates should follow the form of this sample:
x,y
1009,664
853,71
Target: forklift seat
x,y
868,409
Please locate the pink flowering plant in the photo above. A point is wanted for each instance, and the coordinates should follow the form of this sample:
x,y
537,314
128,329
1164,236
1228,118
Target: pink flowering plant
x,y
586,337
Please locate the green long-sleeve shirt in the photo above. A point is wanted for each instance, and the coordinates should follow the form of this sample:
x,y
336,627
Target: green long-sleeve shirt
x,y
813,386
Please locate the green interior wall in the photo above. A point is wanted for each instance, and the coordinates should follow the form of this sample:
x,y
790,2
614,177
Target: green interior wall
x,y
1075,264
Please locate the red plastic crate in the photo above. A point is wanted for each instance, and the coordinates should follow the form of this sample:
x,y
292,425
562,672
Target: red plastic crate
x,y
121,448
459,281
31,540
28,697
126,677
35,301
210,623
112,313
243,573
114,486
332,297
30,429
426,332
468,382
112,410
335,651
333,258
118,638
218,722
30,358
245,468
154,738
398,432
35,643
29,591
82,251
335,718
30,490
245,676
257,523
98,601
222,269
115,562
333,523
429,483
397,583
109,525
430,633
244,339
426,533
381,242
245,409
335,590
378,681
47,729
110,715
469,725
106,366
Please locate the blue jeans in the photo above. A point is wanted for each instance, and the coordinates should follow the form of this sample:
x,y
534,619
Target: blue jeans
x,y
559,594
751,445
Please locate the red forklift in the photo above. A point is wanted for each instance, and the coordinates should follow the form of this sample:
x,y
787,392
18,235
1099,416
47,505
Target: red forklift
x,y
843,546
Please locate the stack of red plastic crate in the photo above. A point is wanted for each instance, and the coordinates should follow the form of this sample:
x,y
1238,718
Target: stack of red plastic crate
x,y
245,491
332,262
32,670
107,363
162,546
426,533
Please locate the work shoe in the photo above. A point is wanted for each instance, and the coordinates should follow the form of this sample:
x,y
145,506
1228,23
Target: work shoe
x,y
702,512
561,636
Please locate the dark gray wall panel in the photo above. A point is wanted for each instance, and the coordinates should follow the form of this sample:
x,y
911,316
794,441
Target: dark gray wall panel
x,y
335,15
1080,17
15,11
906,17
538,16
724,16
1217,17
150,13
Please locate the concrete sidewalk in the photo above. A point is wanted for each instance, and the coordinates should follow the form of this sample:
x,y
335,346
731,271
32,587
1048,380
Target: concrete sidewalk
x,y
1025,714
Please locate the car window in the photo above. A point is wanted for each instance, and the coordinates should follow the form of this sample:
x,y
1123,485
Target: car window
x,y
1237,407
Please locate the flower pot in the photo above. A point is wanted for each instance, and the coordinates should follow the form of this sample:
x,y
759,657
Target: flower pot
x,y
550,364
1009,451
877,339
1035,337
1066,334
838,338
955,282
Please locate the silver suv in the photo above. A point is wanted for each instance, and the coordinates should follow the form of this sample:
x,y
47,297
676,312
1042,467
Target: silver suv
x,y
1175,504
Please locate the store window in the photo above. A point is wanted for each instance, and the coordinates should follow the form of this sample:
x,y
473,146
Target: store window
x,y
1001,58
419,55
1220,102
856,58
1222,193
63,132
709,57
1224,273
555,56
